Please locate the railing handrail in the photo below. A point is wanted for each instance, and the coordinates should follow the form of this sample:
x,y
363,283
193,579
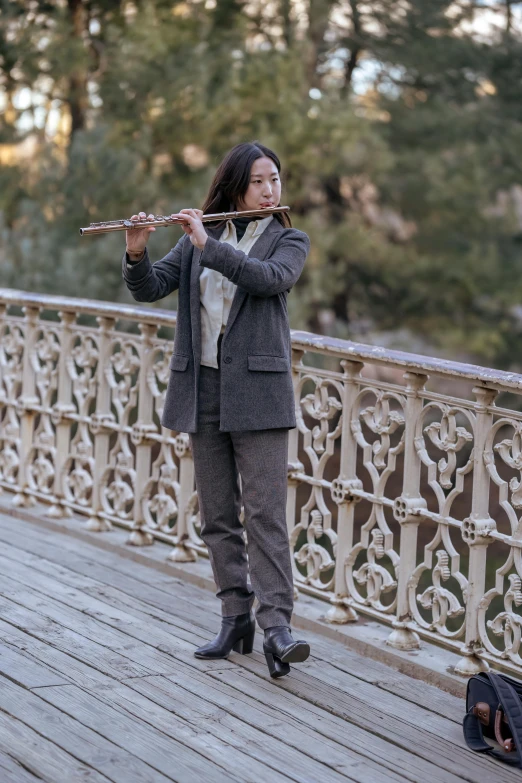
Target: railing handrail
x,y
330,346
94,307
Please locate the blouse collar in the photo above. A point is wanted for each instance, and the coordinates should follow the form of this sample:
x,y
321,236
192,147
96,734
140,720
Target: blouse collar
x,y
254,228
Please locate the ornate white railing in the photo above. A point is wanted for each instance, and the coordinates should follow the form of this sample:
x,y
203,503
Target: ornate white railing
x,y
404,473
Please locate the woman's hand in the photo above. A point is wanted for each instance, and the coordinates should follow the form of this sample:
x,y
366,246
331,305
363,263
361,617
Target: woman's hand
x,y
137,238
194,227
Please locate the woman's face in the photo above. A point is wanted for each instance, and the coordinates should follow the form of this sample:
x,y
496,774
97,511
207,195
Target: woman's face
x,y
264,189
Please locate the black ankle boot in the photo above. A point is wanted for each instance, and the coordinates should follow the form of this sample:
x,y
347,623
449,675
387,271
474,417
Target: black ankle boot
x,y
281,650
237,633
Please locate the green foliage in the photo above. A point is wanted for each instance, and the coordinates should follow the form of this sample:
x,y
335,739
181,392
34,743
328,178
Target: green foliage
x,y
398,126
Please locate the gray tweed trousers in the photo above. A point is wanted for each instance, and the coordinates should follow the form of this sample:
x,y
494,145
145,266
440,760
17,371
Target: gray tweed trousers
x,y
260,458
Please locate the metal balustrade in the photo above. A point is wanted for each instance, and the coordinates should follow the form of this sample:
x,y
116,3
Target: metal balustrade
x,y
404,472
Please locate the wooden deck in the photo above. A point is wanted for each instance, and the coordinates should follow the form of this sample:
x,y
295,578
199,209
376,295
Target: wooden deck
x,y
99,683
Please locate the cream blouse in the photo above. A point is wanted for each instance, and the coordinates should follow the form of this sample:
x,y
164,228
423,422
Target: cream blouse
x,y
217,292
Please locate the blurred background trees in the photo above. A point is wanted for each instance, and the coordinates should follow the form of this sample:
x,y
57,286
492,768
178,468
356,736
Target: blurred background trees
x,y
398,122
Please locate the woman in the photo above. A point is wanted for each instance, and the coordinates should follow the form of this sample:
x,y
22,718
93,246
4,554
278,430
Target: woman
x,y
230,388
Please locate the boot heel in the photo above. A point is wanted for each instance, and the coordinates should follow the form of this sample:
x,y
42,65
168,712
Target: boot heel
x,y
276,667
245,645
248,642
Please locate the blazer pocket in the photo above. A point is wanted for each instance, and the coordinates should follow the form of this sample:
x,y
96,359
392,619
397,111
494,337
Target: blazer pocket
x,y
266,363
178,362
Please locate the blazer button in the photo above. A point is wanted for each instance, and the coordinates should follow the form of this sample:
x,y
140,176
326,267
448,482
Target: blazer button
x,y
227,359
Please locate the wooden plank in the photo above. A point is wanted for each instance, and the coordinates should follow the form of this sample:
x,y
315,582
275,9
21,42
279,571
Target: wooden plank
x,y
36,608
157,735
135,578
197,700
437,698
271,747
63,662
76,645
239,686
83,556
44,759
49,586
376,673
173,598
331,683
89,747
46,602
384,677
451,755
389,704
50,596
27,671
107,593
147,612
56,660
13,772
75,596
154,649
340,658
334,675
341,678
70,595
380,675
323,671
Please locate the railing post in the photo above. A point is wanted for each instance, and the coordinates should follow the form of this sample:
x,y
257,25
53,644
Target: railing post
x,y
181,553
408,512
98,419
3,396
343,494
59,416
476,531
26,404
140,431
294,466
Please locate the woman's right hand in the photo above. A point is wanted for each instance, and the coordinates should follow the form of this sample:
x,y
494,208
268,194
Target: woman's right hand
x,y
137,238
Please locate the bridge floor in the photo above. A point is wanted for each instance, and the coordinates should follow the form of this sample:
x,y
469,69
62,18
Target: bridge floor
x,y
98,682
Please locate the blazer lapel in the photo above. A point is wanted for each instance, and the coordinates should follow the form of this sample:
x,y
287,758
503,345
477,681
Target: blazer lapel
x,y
195,301
260,249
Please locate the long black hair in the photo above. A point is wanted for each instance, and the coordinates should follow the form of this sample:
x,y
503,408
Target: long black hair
x,y
232,179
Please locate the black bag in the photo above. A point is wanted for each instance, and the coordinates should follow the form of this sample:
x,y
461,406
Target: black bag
x,y
494,710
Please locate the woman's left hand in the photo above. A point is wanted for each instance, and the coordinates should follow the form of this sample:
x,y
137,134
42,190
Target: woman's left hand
x,y
194,227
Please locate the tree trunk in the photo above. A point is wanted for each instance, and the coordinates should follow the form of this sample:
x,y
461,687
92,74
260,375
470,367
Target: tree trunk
x,y
318,19
509,16
286,22
77,98
355,47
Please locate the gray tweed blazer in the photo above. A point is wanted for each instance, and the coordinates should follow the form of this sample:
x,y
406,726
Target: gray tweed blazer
x,y
256,381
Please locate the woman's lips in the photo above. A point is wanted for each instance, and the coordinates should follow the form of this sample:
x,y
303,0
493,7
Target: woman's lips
x,y
267,204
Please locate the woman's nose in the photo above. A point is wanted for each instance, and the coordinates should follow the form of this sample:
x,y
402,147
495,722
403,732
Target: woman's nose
x,y
268,190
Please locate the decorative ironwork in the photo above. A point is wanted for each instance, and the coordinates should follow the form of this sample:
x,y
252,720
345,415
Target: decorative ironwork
x,y
375,467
